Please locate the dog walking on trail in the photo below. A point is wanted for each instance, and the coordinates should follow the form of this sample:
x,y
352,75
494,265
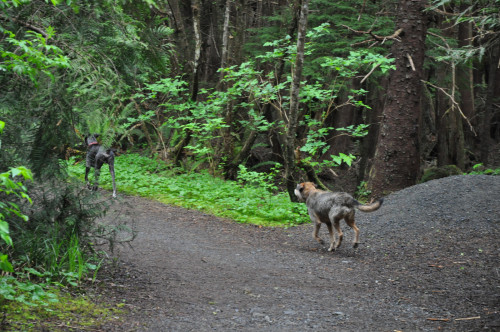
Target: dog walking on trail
x,y
97,155
331,207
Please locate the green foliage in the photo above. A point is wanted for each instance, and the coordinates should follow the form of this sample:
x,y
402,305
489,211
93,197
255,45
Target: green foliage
x,y
201,191
31,56
483,15
57,310
440,172
58,239
9,186
362,191
266,181
480,169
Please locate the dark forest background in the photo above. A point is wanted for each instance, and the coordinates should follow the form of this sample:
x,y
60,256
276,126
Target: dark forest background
x,y
387,88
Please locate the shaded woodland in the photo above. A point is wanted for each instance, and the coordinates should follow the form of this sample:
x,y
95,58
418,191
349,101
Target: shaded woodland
x,y
364,96
346,94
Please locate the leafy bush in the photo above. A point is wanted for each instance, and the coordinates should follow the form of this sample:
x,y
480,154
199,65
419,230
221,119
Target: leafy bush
x,y
480,169
61,229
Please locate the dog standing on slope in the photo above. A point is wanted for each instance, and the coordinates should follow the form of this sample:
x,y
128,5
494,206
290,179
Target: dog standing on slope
x,y
329,208
97,155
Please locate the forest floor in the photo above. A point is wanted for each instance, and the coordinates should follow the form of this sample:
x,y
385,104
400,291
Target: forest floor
x,y
428,260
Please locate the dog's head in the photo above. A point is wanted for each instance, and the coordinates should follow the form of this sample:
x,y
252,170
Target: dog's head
x,y
91,139
304,189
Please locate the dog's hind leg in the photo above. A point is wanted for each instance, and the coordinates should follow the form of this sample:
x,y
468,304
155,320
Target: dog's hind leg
x,y
112,171
341,235
332,237
351,223
97,173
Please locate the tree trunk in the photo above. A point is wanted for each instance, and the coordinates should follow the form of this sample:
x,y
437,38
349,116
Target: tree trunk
x,y
225,39
179,29
373,118
397,157
294,103
196,9
231,168
465,85
340,118
276,139
491,98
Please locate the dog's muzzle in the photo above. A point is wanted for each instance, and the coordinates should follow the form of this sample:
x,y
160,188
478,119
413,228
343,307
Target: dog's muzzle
x,y
299,195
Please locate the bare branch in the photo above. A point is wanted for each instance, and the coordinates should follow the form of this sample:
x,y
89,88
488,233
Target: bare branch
x,y
454,102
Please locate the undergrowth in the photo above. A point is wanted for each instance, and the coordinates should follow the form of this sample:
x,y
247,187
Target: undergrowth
x,y
247,203
61,311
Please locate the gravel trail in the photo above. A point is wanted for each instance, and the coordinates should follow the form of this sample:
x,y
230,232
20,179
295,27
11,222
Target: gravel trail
x,y
428,260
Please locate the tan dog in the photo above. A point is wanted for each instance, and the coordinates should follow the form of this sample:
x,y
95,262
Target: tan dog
x,y
329,208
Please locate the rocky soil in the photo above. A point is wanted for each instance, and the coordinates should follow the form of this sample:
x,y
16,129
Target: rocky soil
x,y
428,260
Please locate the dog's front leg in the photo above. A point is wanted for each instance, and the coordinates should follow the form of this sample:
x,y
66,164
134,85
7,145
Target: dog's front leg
x,y
97,173
317,226
87,170
112,171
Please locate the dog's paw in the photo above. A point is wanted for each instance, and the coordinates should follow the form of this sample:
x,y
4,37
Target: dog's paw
x,y
331,249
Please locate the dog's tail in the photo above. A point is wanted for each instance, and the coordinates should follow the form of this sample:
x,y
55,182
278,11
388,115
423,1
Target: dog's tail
x,y
370,207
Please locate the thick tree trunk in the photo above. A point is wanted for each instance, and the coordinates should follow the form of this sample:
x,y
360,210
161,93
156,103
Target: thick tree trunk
x,y
450,136
373,118
294,103
465,85
397,157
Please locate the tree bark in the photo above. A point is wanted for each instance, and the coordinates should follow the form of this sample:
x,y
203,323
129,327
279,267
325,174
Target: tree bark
x,y
196,7
491,98
294,103
465,85
397,157
225,38
179,26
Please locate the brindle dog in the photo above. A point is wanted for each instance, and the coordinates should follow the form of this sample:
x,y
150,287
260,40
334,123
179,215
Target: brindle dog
x,y
329,208
97,155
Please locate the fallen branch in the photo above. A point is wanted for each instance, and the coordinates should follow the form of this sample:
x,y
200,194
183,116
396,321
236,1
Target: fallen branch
x,y
468,318
439,319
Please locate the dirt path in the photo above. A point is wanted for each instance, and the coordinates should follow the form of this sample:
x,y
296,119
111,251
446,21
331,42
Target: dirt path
x,y
428,260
